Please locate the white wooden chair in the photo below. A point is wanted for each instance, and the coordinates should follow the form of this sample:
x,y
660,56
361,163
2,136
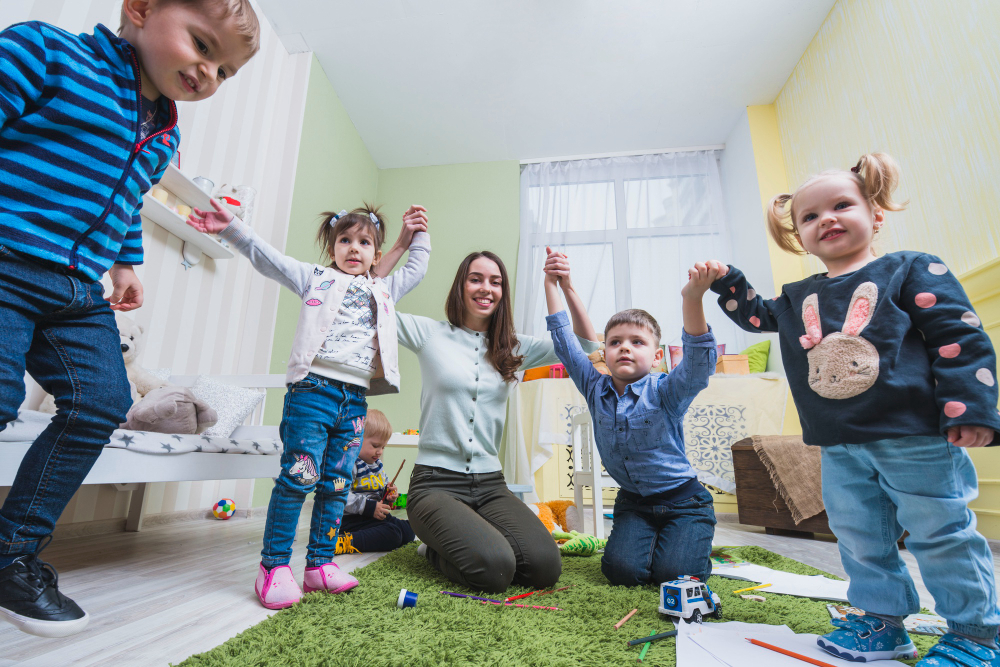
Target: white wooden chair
x,y
587,469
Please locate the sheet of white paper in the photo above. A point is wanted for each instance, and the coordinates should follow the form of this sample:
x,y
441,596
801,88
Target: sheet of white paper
x,y
726,644
815,586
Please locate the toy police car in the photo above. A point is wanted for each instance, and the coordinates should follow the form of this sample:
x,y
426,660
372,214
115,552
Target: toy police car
x,y
690,599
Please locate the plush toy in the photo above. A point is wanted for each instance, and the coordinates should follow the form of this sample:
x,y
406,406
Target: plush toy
x,y
171,410
579,544
556,514
597,358
141,381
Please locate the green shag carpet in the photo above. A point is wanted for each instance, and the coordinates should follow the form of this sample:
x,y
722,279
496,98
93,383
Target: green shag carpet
x,y
364,628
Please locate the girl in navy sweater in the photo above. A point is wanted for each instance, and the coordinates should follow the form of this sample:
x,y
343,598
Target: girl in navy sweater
x,y
894,376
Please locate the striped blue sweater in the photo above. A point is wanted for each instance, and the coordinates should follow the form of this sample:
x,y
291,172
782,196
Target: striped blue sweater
x,y
72,168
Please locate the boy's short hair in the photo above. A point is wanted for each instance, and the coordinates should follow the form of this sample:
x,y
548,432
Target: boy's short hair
x,y
247,23
377,425
636,316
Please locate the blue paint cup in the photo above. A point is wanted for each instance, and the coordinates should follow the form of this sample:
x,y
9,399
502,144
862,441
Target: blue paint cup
x,y
406,599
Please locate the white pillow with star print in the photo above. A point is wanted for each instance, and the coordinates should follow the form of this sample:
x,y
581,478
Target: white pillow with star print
x,y
233,404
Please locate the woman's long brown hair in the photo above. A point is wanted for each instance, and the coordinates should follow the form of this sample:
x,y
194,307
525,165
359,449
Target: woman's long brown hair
x,y
501,338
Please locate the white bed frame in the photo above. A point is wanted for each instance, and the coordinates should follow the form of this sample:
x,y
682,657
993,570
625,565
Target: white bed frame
x,y
131,471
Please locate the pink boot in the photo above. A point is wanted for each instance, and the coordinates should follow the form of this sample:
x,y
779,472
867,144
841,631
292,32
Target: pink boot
x,y
277,589
327,577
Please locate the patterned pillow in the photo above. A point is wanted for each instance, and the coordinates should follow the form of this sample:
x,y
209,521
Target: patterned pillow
x,y
234,404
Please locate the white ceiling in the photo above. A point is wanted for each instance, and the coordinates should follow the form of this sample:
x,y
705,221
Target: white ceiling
x,y
450,81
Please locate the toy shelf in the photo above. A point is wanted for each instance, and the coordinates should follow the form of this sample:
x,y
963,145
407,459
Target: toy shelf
x,y
183,190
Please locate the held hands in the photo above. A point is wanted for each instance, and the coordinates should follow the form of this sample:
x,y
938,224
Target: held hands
x,y
970,436
211,222
127,292
414,220
700,278
557,269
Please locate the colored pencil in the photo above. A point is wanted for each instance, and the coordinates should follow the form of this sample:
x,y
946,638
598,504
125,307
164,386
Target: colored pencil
x,y
500,602
791,654
620,623
524,595
642,653
652,638
750,588
386,492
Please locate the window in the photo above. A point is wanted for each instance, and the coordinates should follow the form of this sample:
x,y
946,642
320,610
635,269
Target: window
x,y
631,227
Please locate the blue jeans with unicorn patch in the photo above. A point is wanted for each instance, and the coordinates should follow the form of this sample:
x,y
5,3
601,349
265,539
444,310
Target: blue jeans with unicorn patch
x,y
321,427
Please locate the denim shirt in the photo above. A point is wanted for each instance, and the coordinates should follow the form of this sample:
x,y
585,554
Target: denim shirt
x,y
640,434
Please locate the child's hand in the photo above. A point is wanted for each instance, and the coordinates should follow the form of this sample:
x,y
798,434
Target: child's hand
x,y
557,268
392,494
970,436
211,222
701,276
382,510
127,292
414,220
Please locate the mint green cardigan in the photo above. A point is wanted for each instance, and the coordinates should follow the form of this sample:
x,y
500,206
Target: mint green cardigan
x,y
463,400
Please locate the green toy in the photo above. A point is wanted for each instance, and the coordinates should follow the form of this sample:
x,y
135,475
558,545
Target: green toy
x,y
579,544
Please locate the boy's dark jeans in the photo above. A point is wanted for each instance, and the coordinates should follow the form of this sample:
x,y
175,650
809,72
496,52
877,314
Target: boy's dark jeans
x,y
377,534
655,542
60,329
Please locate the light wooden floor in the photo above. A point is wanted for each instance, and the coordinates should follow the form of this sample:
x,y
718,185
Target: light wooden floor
x,y
171,591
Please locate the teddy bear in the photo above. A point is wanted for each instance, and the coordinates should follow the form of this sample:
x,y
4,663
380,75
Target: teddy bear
x,y
564,514
171,409
141,381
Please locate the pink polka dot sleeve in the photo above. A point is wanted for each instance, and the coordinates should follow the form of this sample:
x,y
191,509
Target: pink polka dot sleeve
x,y
963,361
740,301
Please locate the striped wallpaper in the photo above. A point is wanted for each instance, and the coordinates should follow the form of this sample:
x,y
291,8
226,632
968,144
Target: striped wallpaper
x,y
218,316
920,80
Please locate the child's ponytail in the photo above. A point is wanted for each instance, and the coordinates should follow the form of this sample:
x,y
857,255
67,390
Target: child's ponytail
x,y
878,176
780,225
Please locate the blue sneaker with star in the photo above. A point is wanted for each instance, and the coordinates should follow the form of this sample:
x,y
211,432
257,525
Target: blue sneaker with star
x,y
954,651
866,638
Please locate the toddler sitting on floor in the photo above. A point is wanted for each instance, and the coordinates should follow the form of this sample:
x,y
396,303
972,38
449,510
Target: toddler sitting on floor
x,y
368,526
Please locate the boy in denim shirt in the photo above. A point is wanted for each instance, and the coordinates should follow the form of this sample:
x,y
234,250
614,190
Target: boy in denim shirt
x,y
663,518
87,125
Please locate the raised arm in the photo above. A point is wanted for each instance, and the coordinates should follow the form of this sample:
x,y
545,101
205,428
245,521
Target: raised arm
x,y
743,305
414,220
557,272
271,263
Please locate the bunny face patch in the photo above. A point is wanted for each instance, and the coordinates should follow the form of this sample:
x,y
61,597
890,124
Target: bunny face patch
x,y
843,364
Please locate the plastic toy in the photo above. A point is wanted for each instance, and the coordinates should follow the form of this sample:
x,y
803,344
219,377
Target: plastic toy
x,y
406,599
224,509
689,599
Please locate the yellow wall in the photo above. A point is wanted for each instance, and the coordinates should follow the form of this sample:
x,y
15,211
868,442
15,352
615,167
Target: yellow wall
x,y
919,79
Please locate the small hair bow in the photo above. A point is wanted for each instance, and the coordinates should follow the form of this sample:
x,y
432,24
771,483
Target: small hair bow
x,y
374,219
856,169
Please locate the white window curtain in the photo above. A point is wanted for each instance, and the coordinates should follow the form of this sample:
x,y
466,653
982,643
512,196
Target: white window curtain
x,y
632,227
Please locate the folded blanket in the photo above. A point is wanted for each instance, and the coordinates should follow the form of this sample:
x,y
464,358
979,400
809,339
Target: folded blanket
x,y
30,423
794,468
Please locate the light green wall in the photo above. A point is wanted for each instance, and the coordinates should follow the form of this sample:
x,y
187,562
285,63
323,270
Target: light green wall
x,y
470,207
334,171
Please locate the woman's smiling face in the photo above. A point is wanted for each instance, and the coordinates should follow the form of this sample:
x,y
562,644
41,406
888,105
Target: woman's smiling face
x,y
483,289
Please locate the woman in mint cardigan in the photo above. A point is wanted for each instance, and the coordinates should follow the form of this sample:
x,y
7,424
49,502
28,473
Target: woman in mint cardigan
x,y
473,529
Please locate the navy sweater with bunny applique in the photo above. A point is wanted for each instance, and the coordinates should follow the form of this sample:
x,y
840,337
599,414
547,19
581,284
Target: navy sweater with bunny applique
x,y
893,349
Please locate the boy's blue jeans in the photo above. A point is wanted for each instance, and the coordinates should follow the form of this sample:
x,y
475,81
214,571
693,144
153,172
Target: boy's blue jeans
x,y
321,429
922,484
60,329
653,543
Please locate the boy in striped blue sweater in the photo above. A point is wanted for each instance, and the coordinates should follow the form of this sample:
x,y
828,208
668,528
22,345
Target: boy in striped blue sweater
x,y
87,125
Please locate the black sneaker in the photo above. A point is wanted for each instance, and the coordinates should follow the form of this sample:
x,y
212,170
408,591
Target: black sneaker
x,y
30,599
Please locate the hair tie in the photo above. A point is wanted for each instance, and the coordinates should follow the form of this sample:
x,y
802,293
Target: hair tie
x,y
856,169
374,219
336,217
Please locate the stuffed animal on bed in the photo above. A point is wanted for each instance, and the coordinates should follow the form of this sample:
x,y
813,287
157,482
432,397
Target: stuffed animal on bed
x,y
141,381
171,409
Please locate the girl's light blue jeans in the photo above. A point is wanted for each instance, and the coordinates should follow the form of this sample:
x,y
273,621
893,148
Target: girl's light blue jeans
x,y
321,429
921,484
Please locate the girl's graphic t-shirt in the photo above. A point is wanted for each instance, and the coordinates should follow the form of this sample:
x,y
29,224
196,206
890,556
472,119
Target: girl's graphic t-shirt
x,y
348,353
